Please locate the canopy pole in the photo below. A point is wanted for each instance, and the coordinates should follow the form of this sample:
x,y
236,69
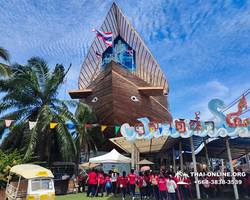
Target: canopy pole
x,y
174,167
195,168
222,168
247,160
138,160
231,168
207,159
181,156
133,155
185,159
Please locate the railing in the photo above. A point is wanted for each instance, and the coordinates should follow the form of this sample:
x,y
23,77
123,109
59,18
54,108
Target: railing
x,y
14,192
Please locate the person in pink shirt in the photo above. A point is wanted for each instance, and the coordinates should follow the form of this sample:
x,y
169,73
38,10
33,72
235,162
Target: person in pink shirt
x,y
107,182
141,187
118,189
132,178
100,185
123,184
162,187
92,180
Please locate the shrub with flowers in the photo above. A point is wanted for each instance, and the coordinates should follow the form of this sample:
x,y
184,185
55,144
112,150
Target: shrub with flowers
x,y
7,160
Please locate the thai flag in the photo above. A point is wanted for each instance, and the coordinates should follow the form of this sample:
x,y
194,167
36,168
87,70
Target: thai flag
x,y
98,54
130,52
165,94
65,81
106,37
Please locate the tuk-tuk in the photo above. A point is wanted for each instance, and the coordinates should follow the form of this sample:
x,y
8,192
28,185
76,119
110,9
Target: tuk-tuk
x,y
35,183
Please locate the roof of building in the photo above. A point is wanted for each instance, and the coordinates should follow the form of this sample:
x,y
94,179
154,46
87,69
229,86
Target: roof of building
x,y
147,67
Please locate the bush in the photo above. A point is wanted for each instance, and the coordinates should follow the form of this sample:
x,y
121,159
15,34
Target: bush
x,y
7,160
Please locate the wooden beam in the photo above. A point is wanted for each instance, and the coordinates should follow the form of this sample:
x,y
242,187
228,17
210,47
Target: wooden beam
x,y
151,91
79,94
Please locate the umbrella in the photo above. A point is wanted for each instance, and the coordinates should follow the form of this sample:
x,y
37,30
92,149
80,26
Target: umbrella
x,y
145,162
89,165
145,168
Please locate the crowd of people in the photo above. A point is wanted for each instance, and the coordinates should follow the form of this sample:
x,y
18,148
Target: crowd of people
x,y
160,185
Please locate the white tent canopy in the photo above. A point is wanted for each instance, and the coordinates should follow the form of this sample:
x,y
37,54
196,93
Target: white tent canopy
x,y
145,162
111,157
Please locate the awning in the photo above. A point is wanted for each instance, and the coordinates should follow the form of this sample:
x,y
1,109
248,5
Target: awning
x,y
111,157
88,165
145,162
144,146
31,171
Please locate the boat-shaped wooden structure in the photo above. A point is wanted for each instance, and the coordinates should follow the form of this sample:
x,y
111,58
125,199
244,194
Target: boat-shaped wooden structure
x,y
119,95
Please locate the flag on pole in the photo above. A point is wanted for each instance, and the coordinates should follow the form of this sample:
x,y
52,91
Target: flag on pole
x,y
98,54
65,81
106,37
130,52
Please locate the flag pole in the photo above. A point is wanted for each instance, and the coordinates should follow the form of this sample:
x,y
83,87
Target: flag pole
x,y
65,89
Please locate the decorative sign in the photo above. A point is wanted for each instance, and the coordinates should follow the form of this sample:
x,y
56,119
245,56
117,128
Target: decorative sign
x,y
188,128
121,53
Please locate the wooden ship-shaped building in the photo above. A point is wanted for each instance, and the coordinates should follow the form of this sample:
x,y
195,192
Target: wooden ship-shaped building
x,y
126,84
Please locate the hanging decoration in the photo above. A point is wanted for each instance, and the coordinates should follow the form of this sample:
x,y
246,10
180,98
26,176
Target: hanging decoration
x,y
116,129
103,128
32,125
52,125
8,122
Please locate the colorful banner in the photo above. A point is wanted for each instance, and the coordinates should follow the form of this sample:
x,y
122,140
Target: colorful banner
x,y
188,128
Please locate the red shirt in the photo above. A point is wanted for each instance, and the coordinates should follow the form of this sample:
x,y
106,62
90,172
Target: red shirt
x,y
80,178
123,181
140,180
162,184
151,177
176,180
100,178
106,180
92,178
245,182
146,179
118,181
132,178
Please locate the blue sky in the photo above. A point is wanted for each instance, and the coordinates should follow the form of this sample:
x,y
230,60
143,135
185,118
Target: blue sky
x,y
203,47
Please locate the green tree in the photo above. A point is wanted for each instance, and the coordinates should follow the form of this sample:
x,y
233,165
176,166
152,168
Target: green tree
x,y
4,69
31,95
9,159
86,137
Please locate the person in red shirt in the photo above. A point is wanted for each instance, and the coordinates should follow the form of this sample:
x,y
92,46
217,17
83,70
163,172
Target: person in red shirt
x,y
212,186
123,184
92,180
100,179
107,183
132,180
146,190
162,187
118,189
177,192
155,178
80,178
141,187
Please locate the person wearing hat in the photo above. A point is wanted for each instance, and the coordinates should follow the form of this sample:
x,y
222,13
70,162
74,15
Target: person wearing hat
x,y
114,179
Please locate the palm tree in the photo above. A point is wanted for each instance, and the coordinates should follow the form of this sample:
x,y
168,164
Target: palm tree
x,y
31,95
4,69
86,138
